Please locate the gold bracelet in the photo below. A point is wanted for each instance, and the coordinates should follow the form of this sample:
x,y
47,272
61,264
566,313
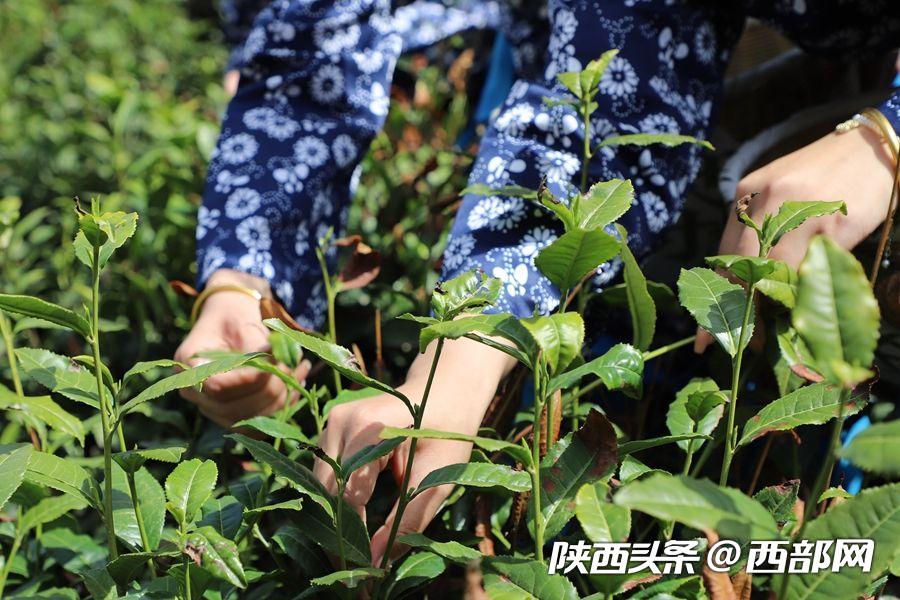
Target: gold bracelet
x,y
215,289
873,119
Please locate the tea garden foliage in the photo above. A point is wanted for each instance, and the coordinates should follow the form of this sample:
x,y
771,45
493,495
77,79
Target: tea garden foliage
x,y
93,508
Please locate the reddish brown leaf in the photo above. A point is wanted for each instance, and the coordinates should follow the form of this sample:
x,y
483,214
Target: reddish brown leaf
x,y
718,585
742,582
182,289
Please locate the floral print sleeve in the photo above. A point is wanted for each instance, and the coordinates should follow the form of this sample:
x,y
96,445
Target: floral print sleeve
x,y
313,93
666,78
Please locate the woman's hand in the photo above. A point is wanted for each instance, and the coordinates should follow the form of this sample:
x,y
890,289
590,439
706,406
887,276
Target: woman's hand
x,y
464,385
855,167
232,321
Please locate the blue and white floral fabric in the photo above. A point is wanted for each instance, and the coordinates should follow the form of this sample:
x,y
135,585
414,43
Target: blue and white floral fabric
x,y
314,91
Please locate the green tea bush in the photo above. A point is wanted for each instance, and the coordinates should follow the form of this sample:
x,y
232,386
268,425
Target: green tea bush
x,y
110,487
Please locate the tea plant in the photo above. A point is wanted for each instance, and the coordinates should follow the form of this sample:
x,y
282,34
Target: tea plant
x,y
85,513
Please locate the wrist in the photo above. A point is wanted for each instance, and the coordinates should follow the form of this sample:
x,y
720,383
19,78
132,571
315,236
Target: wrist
x,y
232,277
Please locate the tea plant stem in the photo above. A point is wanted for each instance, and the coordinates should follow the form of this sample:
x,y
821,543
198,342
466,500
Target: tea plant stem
x,y
104,407
730,436
338,528
6,331
586,152
668,348
7,565
330,294
822,480
139,517
828,465
536,465
404,498
187,579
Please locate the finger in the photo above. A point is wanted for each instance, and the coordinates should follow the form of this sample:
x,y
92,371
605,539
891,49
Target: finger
x,y
361,482
330,442
416,517
704,339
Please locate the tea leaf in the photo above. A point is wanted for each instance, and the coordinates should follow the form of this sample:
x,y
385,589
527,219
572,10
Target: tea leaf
x,y
187,378
483,328
109,231
699,504
678,420
589,456
139,368
575,254
337,357
515,191
217,555
188,486
514,451
509,577
836,313
604,203
749,269
152,504
640,302
318,525
779,500
874,515
368,454
452,551
472,290
99,584
793,214
811,405
646,139
351,578
601,520
876,449
621,368
481,475
592,72
299,477
126,567
35,307
572,82
44,409
223,514
627,448
272,427
49,509
61,475
416,570
12,471
716,304
60,375
558,336
295,505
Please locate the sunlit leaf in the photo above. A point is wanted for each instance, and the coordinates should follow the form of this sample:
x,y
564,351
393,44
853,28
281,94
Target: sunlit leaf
x,y
59,374
678,420
836,313
217,555
481,475
604,203
188,486
274,428
647,139
601,520
699,504
559,338
369,454
811,405
573,255
791,215
514,451
876,449
12,471
468,292
520,578
780,499
49,509
188,378
452,551
415,571
874,515
152,504
45,410
640,302
717,305
35,307
621,368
